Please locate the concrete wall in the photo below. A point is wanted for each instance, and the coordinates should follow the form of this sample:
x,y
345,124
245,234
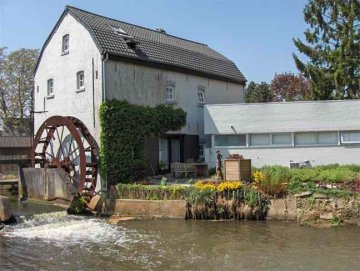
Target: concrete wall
x,y
146,86
63,69
47,184
148,208
282,156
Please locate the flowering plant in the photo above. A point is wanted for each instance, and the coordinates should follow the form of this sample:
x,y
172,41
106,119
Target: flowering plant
x,y
222,186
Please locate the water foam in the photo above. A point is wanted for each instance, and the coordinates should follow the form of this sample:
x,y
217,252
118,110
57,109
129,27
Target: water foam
x,y
66,230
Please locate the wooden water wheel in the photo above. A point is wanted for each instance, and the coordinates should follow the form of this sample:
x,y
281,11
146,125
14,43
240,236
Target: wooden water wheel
x,y
66,143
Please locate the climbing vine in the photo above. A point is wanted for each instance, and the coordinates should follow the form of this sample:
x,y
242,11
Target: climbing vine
x,y
124,128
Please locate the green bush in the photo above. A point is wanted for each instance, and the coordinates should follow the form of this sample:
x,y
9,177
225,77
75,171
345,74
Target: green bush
x,y
124,128
328,174
151,192
275,181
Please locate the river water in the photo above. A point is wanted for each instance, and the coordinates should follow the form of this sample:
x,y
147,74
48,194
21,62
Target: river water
x,y
48,239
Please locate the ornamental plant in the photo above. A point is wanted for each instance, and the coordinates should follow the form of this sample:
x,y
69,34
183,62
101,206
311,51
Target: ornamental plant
x,y
222,186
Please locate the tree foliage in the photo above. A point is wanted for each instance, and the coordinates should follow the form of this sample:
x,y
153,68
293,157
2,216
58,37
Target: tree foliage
x,y
333,48
288,87
124,128
258,93
16,84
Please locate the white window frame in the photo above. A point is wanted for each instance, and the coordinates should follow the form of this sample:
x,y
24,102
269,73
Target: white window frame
x,y
348,142
170,93
50,88
80,83
65,44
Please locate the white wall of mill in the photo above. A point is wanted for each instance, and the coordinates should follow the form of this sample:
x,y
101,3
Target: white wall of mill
x,y
63,69
146,86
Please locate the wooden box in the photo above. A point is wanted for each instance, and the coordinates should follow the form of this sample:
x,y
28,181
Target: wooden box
x,y
237,170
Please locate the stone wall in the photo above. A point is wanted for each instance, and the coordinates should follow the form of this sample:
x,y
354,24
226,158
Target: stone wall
x,y
321,210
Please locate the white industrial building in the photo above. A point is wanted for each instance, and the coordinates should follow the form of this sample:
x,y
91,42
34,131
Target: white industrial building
x,y
321,132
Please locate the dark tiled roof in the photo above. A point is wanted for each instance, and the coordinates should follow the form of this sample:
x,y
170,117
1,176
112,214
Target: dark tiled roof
x,y
156,47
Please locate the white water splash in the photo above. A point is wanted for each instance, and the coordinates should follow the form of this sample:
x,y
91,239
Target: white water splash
x,y
66,230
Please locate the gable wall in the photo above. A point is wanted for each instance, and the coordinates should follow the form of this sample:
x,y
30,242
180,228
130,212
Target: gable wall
x,y
63,70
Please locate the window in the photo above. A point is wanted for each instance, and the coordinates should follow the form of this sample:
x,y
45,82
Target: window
x,y
316,138
80,80
327,138
259,139
305,138
281,139
65,44
201,96
50,87
170,93
230,140
350,137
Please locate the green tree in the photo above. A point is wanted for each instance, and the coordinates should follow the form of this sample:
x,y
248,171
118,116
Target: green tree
x,y
333,48
16,85
258,93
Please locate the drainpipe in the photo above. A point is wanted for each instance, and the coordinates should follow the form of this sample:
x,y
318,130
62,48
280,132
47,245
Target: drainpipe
x,y
105,57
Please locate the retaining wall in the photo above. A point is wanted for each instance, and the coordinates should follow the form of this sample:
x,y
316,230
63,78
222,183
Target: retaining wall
x,y
47,184
148,208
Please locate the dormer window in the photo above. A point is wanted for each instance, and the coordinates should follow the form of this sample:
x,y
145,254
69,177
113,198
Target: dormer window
x,y
129,40
170,93
65,44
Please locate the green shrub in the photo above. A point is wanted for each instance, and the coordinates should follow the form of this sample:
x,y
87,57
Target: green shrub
x,y
77,205
151,192
327,174
200,197
275,180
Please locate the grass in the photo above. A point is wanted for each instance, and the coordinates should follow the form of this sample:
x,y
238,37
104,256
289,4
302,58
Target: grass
x,y
277,181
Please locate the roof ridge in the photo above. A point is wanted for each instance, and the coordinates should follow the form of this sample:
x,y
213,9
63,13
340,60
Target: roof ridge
x,y
173,36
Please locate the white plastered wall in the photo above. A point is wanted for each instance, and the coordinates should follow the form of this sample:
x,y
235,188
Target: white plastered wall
x,y
63,69
146,86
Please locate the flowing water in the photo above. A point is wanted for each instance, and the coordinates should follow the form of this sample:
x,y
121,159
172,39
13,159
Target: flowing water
x,y
56,241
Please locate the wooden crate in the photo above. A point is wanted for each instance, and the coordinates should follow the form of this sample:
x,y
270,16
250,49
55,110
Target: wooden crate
x,y
237,170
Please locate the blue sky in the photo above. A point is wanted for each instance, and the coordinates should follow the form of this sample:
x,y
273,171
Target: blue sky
x,y
256,34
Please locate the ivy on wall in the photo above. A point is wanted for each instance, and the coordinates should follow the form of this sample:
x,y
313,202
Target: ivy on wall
x,y
124,128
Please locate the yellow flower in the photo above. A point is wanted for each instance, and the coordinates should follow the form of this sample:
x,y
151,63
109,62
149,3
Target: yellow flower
x,y
205,186
229,185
